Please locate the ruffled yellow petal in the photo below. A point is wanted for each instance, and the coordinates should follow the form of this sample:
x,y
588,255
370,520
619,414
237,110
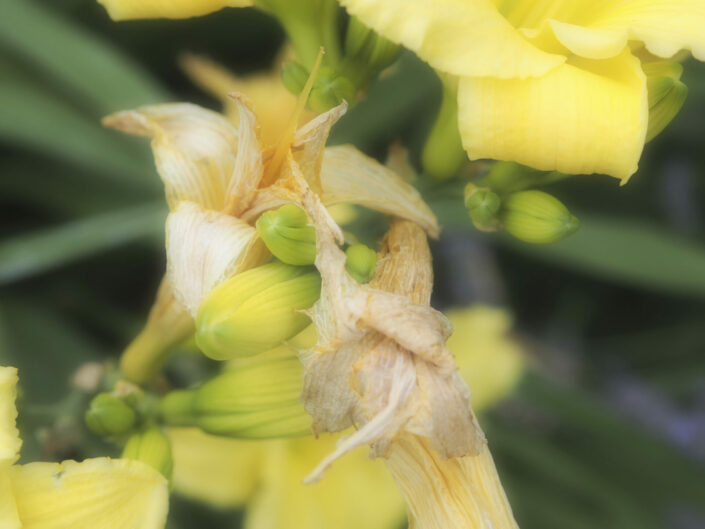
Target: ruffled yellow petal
x,y
97,493
200,155
583,117
204,248
220,471
488,360
10,441
457,37
127,9
357,493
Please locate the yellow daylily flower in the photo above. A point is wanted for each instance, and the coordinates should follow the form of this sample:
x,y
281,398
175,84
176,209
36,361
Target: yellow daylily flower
x,y
265,476
100,492
219,177
554,84
128,9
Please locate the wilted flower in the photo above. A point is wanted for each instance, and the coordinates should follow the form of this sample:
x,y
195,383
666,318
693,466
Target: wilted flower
x,y
556,85
100,492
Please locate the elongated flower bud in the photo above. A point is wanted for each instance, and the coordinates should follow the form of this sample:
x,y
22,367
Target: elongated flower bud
x,y
537,217
152,447
443,155
361,262
367,49
109,415
667,94
176,408
256,310
483,207
287,234
258,399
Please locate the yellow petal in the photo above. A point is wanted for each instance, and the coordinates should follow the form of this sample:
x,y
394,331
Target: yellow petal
x,y
457,37
10,441
583,117
272,102
9,519
348,176
488,360
217,470
127,9
97,493
449,493
357,493
200,155
204,248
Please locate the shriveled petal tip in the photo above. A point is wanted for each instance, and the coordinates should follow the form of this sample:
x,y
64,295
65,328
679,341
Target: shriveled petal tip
x,y
581,118
457,37
200,155
129,9
101,492
204,248
348,176
10,441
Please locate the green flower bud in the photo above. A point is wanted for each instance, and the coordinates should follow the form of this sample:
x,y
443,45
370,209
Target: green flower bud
x,y
256,310
329,90
259,399
357,37
288,236
294,77
537,217
667,94
109,415
361,262
483,206
152,447
176,408
443,155
367,49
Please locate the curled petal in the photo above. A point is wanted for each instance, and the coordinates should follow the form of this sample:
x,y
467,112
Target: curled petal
x,y
204,248
348,176
583,117
101,492
201,157
10,441
457,37
128,9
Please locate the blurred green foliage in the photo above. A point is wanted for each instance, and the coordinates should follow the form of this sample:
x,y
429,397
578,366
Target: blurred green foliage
x,y
607,432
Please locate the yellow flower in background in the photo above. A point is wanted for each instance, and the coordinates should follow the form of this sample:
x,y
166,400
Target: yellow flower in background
x,y
127,9
552,84
265,476
96,493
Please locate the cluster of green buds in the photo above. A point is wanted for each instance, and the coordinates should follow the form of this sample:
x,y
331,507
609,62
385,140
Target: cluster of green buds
x,y
530,215
256,399
345,72
128,415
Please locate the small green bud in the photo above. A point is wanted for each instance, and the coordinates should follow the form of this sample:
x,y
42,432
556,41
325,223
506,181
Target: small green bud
x,y
483,206
361,262
288,236
256,310
109,415
294,77
443,155
537,217
259,399
152,447
329,90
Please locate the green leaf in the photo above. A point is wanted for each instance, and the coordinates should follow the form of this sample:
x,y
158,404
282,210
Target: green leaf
x,y
33,117
37,252
85,65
